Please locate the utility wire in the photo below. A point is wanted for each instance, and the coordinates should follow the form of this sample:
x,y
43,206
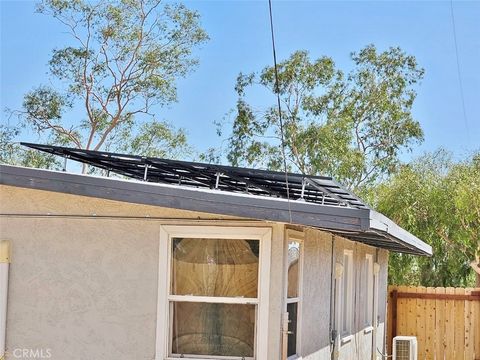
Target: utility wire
x,y
459,73
277,91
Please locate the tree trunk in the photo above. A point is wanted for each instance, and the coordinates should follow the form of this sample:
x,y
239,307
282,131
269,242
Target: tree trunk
x,y
476,267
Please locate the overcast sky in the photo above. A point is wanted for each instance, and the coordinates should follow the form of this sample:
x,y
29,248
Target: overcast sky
x,y
240,41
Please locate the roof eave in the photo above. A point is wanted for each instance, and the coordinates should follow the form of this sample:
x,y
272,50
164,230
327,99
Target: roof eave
x,y
382,224
354,223
187,198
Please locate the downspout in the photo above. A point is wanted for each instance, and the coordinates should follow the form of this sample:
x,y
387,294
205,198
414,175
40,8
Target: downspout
x,y
5,259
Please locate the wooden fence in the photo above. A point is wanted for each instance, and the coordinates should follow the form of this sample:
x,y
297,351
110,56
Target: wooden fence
x,y
446,321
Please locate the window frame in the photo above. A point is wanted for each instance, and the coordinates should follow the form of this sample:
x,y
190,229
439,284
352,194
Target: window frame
x,y
299,236
165,298
346,299
369,291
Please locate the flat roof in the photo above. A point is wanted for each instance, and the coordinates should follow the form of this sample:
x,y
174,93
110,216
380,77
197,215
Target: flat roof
x,y
358,223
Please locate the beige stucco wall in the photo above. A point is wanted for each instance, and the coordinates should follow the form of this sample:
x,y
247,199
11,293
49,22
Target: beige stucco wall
x,y
317,294
83,281
83,288
14,200
84,277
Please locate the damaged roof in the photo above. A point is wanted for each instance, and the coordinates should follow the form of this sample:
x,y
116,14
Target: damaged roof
x,y
314,201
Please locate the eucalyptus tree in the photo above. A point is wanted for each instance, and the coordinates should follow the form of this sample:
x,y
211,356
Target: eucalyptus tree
x,y
121,67
352,126
12,153
437,199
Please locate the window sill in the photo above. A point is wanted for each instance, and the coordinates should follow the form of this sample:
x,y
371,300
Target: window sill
x,y
346,339
294,357
368,329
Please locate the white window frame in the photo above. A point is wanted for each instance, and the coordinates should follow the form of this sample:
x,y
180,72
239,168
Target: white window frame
x,y
346,299
167,233
295,235
369,291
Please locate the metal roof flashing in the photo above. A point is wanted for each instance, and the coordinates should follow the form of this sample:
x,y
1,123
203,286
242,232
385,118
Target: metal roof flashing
x,y
383,224
358,224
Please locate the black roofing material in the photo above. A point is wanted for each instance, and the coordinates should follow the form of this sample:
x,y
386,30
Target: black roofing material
x,y
314,189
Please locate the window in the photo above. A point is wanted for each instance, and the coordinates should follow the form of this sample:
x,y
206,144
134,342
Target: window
x,y
216,286
368,290
346,291
294,277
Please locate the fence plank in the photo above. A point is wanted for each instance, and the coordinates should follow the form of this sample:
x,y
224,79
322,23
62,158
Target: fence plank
x,y
468,327
420,315
459,326
402,309
449,325
440,325
476,322
430,307
412,314
391,288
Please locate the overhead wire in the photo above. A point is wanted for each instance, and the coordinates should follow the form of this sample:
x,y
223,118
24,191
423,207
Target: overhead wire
x,y
459,73
277,91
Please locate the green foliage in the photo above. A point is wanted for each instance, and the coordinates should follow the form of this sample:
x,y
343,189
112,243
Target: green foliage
x,y
438,200
124,61
351,126
156,139
12,153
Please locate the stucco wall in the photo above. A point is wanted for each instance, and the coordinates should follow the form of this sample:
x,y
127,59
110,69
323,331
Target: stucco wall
x,y
84,281
382,259
84,276
315,338
316,293
14,200
83,288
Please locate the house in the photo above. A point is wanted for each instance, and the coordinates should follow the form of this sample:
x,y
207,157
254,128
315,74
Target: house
x,y
170,259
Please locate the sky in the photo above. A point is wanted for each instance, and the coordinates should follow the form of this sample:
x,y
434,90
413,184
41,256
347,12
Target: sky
x,y
240,41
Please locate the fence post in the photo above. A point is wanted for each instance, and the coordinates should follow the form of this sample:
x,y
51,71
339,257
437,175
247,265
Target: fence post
x,y
394,313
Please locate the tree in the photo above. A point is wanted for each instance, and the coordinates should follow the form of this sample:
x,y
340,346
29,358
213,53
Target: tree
x,y
352,127
438,200
126,57
12,153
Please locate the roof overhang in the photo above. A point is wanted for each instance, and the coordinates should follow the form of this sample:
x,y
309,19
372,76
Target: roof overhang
x,y
362,225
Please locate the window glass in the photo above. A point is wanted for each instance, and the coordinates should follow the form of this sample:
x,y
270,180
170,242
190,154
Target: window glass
x,y
292,328
293,266
215,267
213,329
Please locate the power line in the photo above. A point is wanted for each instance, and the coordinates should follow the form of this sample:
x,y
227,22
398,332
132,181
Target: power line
x,y
277,91
459,73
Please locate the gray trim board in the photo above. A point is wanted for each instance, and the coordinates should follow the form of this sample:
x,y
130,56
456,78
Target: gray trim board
x,y
186,198
335,218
